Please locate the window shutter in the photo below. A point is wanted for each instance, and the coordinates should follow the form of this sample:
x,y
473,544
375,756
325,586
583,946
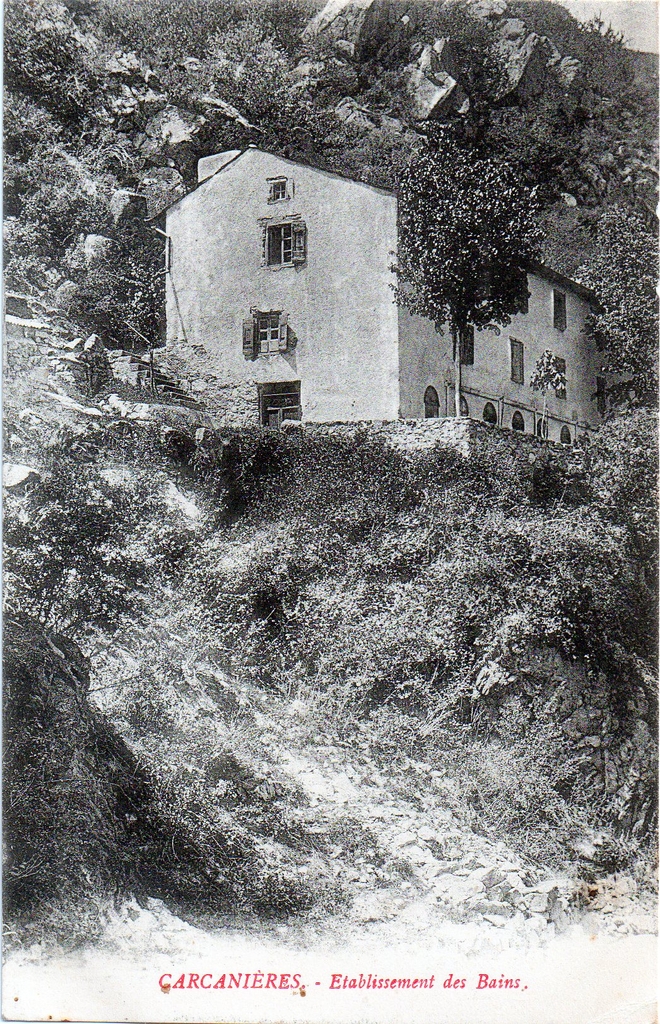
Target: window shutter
x,y
558,310
284,332
517,362
264,245
248,338
467,346
299,232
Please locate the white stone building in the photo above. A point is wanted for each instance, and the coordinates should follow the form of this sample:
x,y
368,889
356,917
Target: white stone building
x,y
280,298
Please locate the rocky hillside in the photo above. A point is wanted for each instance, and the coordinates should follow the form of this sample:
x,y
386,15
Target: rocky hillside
x,y
105,121
390,676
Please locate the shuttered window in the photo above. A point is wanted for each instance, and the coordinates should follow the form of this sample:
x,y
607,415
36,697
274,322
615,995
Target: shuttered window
x,y
559,309
268,329
286,244
265,332
517,362
280,245
277,190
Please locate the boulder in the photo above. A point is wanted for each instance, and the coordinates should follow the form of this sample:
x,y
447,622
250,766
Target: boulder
x,y
432,91
15,475
526,66
226,109
351,112
361,28
153,100
125,205
512,28
124,65
455,889
98,248
66,294
174,126
491,10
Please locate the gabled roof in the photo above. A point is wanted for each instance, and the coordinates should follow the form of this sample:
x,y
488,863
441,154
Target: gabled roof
x,y
233,156
293,163
543,270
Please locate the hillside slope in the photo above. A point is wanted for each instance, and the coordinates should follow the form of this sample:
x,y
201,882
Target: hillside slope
x,y
362,674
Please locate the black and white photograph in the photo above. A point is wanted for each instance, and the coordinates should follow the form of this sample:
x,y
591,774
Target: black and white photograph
x,y
330,512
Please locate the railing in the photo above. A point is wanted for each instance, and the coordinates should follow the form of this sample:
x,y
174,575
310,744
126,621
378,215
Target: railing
x,y
501,403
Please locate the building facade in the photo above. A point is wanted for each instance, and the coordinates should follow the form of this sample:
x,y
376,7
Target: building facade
x,y
497,367
280,289
280,274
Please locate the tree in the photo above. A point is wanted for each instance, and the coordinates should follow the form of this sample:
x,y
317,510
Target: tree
x,y
467,236
549,372
623,274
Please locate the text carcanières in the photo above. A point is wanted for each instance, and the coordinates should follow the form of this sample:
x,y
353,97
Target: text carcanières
x,y
262,979
258,979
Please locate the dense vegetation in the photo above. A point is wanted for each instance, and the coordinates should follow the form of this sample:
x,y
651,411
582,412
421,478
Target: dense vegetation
x,y
456,611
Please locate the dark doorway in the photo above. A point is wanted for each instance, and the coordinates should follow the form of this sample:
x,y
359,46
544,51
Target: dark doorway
x,y
431,404
279,402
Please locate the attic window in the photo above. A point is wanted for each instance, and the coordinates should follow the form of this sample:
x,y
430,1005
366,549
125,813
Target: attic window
x,y
277,190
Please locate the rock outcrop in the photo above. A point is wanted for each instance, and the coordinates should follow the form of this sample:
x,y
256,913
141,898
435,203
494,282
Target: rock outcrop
x,y
359,28
532,64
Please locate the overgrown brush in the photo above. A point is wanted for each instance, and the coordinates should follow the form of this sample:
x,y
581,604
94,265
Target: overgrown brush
x,y
86,823
365,579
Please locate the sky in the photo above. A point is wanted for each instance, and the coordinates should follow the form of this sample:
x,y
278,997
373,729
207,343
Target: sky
x,y
637,19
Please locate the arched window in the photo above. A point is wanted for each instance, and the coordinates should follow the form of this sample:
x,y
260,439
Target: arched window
x,y
518,422
541,427
465,410
431,403
565,436
490,415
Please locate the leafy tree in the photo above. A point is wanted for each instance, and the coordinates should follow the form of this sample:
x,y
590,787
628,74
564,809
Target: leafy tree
x,y
623,273
467,236
548,374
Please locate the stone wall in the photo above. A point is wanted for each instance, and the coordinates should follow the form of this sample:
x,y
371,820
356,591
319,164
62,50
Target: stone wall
x,y
468,437
232,403
607,733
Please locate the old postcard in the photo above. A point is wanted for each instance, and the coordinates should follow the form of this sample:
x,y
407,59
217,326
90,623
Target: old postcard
x,y
330,511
